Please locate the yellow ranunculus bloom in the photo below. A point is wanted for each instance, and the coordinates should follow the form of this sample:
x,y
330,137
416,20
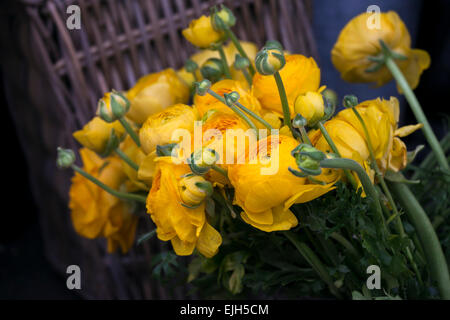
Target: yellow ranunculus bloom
x,y
95,134
310,105
201,33
186,228
357,42
299,75
214,133
159,128
155,92
208,102
266,197
96,213
381,118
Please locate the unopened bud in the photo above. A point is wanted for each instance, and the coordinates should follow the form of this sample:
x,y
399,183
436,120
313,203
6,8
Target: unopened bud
x,y
299,121
274,44
311,106
269,60
222,19
212,69
190,65
112,106
308,159
65,158
202,87
231,98
201,161
194,189
241,62
350,101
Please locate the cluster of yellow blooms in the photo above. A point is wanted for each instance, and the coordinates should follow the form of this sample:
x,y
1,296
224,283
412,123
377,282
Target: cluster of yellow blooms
x,y
159,105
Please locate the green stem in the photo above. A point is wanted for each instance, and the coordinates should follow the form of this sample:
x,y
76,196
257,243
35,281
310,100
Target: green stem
x,y
284,103
230,35
247,77
254,116
304,135
345,243
342,163
418,112
388,194
226,68
125,158
430,242
314,261
118,194
235,109
130,131
330,142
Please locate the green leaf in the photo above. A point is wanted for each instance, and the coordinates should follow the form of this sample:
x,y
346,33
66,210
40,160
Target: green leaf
x,y
146,236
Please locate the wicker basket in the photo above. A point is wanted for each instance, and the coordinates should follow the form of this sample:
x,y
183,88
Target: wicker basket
x,y
64,72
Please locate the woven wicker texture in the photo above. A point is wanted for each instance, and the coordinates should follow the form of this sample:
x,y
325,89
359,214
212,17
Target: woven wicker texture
x,y
67,71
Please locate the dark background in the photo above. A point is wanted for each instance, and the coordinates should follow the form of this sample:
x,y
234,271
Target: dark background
x,y
24,271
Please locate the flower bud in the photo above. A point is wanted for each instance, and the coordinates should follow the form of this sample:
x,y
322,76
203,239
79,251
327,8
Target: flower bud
x,y
231,98
190,65
350,101
194,189
201,160
212,69
330,95
299,121
202,87
112,106
66,157
222,19
269,60
241,62
311,106
274,44
308,159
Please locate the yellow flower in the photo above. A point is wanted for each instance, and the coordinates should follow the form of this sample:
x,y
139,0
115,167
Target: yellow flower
x,y
201,33
208,102
357,42
299,75
214,133
96,213
159,128
96,133
132,151
186,228
350,143
380,117
266,197
155,92
310,105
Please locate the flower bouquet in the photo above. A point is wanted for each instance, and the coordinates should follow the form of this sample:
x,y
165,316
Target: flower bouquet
x,y
241,161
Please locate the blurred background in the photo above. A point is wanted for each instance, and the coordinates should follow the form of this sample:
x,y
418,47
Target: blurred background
x,y
25,270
